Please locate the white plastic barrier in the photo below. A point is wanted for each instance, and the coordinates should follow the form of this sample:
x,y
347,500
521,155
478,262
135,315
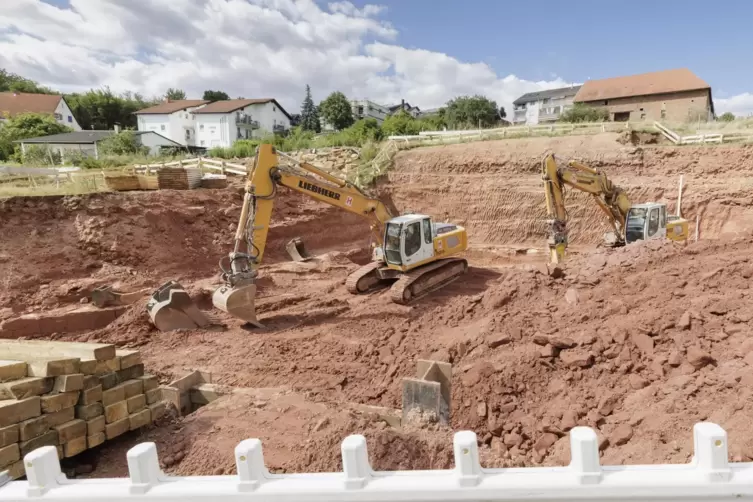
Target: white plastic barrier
x,y
708,477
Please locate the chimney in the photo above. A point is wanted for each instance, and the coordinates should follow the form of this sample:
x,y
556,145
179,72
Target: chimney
x,y
402,104
116,127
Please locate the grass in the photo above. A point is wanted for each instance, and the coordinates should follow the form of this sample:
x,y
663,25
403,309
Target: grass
x,y
80,184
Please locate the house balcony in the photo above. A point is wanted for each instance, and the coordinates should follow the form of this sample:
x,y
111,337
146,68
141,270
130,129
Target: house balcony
x,y
245,120
278,128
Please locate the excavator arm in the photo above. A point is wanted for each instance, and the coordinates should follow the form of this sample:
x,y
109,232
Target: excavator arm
x,y
610,198
237,295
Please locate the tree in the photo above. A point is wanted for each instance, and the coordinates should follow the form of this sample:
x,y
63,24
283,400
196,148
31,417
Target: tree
x,y
336,111
295,119
502,112
175,94
102,109
27,125
122,143
215,96
727,117
12,82
471,111
399,124
309,114
581,112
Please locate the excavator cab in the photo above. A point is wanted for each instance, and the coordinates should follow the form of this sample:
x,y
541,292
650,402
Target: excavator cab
x,y
409,240
646,222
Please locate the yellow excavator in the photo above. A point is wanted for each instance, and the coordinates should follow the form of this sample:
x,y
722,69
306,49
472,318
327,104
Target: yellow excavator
x,y
412,252
630,222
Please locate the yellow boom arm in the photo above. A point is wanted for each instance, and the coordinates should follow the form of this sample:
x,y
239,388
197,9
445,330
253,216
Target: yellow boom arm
x,y
261,188
610,198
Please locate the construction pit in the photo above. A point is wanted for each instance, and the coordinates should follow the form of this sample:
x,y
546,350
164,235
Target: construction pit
x,y
639,342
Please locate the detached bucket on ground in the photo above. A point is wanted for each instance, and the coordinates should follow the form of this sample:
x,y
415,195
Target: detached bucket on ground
x,y
297,250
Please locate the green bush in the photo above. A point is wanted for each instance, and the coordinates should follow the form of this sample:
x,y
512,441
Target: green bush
x,y
585,113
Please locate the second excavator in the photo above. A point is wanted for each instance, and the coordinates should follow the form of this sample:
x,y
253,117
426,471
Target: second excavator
x,y
414,253
630,222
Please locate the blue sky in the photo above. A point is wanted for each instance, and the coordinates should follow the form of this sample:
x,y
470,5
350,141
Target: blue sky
x,y
581,39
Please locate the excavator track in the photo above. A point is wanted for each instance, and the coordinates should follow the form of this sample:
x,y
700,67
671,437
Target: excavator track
x,y
422,281
364,278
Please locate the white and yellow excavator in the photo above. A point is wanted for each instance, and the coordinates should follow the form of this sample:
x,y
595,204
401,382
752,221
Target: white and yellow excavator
x,y
412,252
630,222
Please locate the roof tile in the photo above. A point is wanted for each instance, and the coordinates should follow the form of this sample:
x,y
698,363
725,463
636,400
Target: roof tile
x,y
659,82
13,103
172,106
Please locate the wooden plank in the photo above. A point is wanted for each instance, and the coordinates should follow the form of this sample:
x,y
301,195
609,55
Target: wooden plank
x,y
153,395
70,430
8,435
157,410
90,396
60,417
74,446
114,395
16,470
95,439
140,419
91,381
26,387
133,388
33,427
128,358
57,402
136,403
95,426
42,367
109,380
116,412
12,370
34,349
89,411
118,428
47,439
9,454
68,383
134,372
150,382
97,367
13,411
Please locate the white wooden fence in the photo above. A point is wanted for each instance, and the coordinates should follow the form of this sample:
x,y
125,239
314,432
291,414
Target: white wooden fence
x,y
200,162
709,477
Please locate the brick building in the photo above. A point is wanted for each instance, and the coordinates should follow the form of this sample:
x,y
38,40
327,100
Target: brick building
x,y
671,95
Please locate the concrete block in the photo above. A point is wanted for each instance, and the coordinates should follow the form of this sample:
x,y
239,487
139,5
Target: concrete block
x,y
9,454
33,427
95,367
25,387
109,380
92,395
422,399
57,402
45,367
133,387
70,430
157,410
12,370
91,381
115,429
9,435
95,425
140,419
74,446
60,417
150,382
153,395
95,439
49,438
69,383
136,403
114,395
89,411
436,371
128,358
204,393
115,412
13,411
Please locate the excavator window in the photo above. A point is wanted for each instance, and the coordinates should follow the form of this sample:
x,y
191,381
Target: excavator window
x,y
412,238
653,222
392,244
427,231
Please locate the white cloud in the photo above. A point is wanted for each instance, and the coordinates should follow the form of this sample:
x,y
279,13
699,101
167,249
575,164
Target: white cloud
x,y
251,48
740,105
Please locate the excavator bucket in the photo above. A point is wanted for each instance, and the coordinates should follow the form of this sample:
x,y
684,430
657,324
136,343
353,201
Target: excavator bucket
x,y
297,250
171,308
238,301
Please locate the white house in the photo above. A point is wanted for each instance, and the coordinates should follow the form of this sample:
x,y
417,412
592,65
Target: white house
x,y
543,106
223,122
365,109
15,103
172,119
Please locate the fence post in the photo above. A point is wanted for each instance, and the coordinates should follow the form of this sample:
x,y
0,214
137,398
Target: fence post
x,y
222,167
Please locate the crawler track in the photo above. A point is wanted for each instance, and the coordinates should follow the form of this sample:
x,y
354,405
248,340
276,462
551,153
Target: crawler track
x,y
422,281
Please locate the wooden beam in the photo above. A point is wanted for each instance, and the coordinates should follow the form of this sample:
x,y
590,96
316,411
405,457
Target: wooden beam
x,y
35,349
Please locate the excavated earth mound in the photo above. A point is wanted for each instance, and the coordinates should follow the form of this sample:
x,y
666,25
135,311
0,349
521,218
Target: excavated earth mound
x,y
639,342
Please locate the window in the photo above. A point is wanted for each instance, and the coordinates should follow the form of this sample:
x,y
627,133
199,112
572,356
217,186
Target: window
x,y
202,142
662,216
58,116
70,119
412,238
201,127
606,102
162,127
427,230
653,221
274,109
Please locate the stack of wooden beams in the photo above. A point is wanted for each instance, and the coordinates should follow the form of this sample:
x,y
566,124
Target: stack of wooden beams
x,y
214,181
179,178
70,395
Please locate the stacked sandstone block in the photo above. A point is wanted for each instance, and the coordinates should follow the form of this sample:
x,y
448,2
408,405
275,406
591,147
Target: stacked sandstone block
x,y
70,395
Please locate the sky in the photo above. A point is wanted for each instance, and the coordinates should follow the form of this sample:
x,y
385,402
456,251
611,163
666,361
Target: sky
x,y
423,51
